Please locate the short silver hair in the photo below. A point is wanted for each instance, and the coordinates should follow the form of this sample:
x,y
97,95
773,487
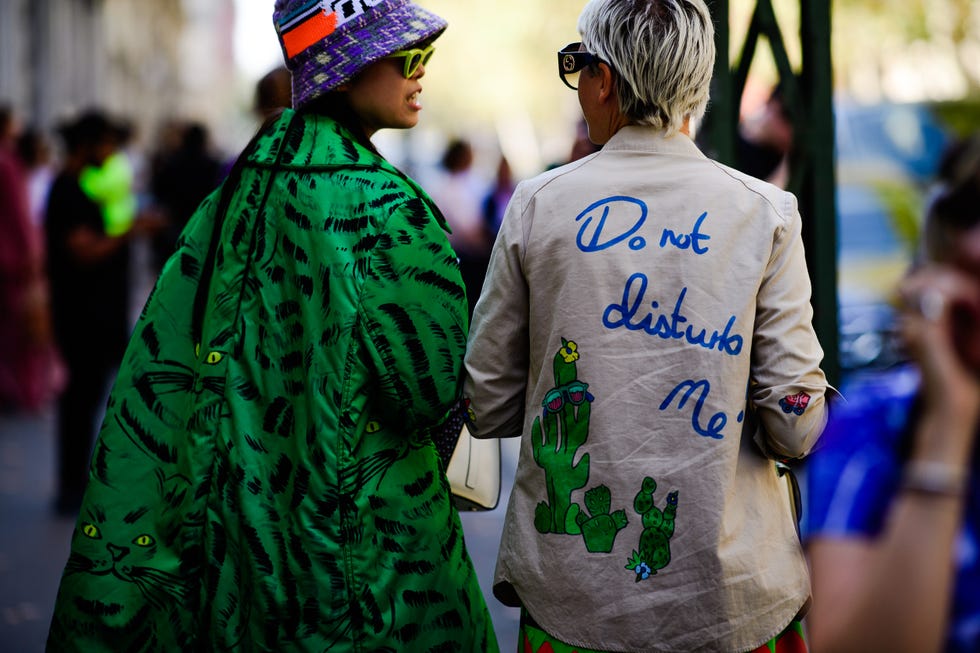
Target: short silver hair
x,y
662,53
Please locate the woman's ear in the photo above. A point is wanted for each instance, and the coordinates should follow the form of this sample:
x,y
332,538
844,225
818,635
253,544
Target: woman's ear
x,y
606,90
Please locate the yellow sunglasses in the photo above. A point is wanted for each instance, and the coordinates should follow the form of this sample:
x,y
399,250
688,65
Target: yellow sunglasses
x,y
413,59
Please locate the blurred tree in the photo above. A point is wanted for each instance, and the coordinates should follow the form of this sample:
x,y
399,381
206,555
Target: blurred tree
x,y
908,50
496,65
495,72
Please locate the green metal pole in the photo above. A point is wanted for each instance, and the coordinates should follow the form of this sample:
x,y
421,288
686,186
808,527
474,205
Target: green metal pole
x,y
722,119
817,197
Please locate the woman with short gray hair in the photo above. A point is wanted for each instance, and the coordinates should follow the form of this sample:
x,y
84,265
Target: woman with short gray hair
x,y
645,328
663,68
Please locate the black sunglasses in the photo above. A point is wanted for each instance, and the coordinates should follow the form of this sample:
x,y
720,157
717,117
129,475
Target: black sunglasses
x,y
571,61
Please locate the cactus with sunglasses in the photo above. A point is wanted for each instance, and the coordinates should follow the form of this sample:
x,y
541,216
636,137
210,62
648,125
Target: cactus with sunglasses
x,y
556,438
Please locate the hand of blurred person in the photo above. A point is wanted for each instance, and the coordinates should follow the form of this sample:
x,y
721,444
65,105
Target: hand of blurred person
x,y
940,323
36,312
150,222
89,246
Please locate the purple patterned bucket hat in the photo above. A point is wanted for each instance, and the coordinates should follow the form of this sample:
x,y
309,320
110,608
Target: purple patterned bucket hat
x,y
326,42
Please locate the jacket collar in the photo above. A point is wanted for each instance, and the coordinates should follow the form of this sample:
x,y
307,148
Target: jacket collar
x,y
647,139
318,142
313,141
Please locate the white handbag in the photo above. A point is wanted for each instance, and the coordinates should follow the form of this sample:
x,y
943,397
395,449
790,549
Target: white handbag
x,y
474,472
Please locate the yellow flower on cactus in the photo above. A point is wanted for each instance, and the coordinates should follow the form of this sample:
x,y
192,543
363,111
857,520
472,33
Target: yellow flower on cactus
x,y
569,351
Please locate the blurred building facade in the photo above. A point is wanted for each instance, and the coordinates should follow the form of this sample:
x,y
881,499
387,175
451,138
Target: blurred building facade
x,y
149,60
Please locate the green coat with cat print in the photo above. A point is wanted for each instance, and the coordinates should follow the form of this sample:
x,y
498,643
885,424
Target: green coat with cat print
x,y
265,477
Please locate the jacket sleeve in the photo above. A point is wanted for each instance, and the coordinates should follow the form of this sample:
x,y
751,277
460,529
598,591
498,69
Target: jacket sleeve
x,y
497,356
787,387
414,317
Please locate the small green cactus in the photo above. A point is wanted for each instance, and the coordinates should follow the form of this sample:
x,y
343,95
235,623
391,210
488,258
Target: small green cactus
x,y
599,530
658,528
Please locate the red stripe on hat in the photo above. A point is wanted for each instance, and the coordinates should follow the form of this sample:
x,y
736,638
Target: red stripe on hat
x,y
314,29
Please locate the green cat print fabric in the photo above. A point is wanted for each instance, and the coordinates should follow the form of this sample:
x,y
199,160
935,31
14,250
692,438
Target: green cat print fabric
x,y
265,478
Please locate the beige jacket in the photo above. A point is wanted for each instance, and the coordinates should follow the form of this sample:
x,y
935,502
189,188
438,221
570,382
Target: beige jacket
x,y
645,326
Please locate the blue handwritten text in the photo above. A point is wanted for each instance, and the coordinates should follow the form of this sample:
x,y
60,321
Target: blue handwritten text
x,y
716,423
687,241
666,326
609,228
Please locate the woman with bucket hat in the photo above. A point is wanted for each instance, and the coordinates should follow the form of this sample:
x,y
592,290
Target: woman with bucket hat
x,y
267,477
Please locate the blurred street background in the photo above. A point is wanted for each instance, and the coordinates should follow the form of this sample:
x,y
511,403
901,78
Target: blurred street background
x,y
182,75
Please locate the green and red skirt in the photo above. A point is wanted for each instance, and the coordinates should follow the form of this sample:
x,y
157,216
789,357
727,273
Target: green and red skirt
x,y
532,639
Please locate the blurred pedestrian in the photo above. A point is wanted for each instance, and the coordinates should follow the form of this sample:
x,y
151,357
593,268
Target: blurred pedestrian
x,y
169,135
458,193
646,328
25,333
582,146
111,184
181,183
267,476
893,517
88,270
273,93
34,152
496,199
764,141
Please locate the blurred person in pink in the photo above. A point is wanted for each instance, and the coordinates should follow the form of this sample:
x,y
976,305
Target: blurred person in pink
x,y
24,325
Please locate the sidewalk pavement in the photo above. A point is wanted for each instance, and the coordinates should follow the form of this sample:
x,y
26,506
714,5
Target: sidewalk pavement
x,y
34,541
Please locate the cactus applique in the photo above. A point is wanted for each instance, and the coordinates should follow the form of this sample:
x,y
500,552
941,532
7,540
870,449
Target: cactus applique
x,y
599,527
658,528
556,437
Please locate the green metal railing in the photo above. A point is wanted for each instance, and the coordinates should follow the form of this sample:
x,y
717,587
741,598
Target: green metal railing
x,y
808,97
